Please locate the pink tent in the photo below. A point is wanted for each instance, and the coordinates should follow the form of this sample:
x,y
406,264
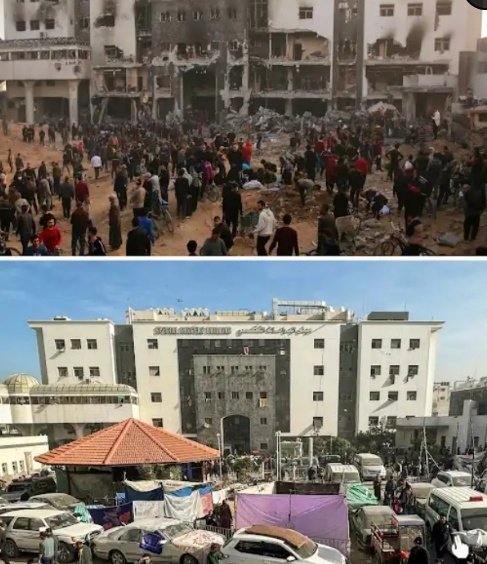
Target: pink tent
x,y
324,518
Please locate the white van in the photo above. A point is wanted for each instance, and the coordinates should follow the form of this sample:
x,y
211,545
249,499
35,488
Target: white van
x,y
341,473
464,508
369,465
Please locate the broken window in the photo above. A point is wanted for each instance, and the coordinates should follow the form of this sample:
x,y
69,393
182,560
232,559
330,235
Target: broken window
x,y
165,17
306,13
232,13
197,15
107,20
259,14
215,14
84,23
50,23
386,10
415,9
181,17
35,25
442,44
112,52
443,8
20,25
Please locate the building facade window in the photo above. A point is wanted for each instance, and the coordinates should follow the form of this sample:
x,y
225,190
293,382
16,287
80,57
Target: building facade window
x,y
306,13
208,421
35,25
373,421
386,10
249,395
75,344
60,344
415,9
20,25
413,370
317,423
154,371
395,343
411,396
394,370
442,44
79,372
263,420
235,395
374,396
414,344
92,344
50,23
263,446
391,422
376,343
318,396
157,422
181,16
375,370
232,13
318,370
207,397
152,344
319,343
443,8
165,17
393,396
62,371
221,395
156,397
94,371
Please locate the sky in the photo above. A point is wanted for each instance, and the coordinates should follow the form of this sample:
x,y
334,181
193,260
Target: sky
x,y
452,291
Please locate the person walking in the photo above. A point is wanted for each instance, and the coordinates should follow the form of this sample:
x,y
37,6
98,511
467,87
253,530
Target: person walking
x,y
418,553
96,247
232,208
474,205
97,164
441,536
26,227
114,223
66,193
265,228
138,243
83,550
285,239
181,187
214,246
80,221
47,549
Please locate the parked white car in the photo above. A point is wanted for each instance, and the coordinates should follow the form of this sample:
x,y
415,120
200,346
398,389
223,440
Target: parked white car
x,y
180,543
452,478
275,544
22,529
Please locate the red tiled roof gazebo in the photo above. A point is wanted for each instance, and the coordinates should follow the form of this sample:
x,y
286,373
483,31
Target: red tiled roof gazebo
x,y
128,443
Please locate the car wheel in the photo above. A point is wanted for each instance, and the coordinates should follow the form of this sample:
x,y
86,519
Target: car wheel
x,y
11,549
65,554
116,557
188,559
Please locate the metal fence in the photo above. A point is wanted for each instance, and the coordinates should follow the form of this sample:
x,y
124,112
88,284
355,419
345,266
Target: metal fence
x,y
227,533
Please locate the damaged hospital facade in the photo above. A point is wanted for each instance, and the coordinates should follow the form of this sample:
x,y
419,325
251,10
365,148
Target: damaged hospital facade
x,y
116,58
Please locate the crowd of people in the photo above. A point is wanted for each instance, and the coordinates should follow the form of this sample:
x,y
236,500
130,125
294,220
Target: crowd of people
x,y
150,161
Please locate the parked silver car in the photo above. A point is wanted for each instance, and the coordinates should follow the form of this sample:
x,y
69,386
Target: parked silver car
x,y
22,530
179,542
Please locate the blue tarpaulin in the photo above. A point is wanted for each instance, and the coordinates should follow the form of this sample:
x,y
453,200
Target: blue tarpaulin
x,y
151,542
109,517
132,494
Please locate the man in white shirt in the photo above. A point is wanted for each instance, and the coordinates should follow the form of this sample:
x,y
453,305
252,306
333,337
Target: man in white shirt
x,y
96,164
265,228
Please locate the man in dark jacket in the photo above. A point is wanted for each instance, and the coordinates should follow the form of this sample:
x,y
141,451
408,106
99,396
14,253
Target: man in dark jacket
x,y
285,239
66,193
440,535
80,221
120,187
26,227
138,242
418,554
232,208
181,188
3,539
474,201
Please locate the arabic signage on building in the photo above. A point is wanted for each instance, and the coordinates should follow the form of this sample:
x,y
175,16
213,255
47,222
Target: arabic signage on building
x,y
279,331
256,330
192,331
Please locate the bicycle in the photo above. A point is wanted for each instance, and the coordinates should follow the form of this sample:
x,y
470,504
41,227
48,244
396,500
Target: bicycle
x,y
162,221
395,244
3,244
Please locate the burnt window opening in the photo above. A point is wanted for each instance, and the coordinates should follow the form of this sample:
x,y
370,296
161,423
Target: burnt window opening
x,y
35,25
20,25
165,17
259,14
442,44
232,13
50,23
181,16
107,20
197,15
215,14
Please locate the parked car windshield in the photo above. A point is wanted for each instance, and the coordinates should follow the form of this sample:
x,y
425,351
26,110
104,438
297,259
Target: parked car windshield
x,y
474,519
378,519
306,550
462,481
371,462
59,501
61,520
178,530
346,477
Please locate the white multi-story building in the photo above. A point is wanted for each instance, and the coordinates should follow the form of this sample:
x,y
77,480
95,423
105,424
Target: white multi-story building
x,y
304,369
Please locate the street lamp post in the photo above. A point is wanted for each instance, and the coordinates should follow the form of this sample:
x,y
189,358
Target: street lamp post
x,y
218,436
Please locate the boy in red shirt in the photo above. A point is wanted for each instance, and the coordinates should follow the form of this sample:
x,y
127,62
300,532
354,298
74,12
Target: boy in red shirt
x,y
51,237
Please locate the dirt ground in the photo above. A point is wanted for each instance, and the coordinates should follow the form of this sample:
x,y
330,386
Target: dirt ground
x,y
198,227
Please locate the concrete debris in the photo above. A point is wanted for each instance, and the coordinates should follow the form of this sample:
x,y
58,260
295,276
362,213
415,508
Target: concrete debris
x,y
448,240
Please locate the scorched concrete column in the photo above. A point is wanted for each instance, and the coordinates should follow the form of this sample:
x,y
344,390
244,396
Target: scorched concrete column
x,y
29,101
73,87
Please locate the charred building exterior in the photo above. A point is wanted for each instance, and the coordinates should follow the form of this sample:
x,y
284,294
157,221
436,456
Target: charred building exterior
x,y
151,57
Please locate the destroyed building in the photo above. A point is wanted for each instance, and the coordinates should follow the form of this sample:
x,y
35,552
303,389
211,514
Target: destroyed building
x,y
119,58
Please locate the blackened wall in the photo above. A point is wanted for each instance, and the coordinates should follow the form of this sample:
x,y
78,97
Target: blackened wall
x,y
459,396
280,348
347,391
125,356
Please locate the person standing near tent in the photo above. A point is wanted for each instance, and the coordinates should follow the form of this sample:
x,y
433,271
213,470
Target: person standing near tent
x,y
226,517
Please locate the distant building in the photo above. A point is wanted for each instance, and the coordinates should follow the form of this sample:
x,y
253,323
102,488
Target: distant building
x,y
441,398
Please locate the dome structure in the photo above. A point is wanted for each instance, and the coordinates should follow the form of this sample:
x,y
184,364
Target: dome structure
x,y
19,383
